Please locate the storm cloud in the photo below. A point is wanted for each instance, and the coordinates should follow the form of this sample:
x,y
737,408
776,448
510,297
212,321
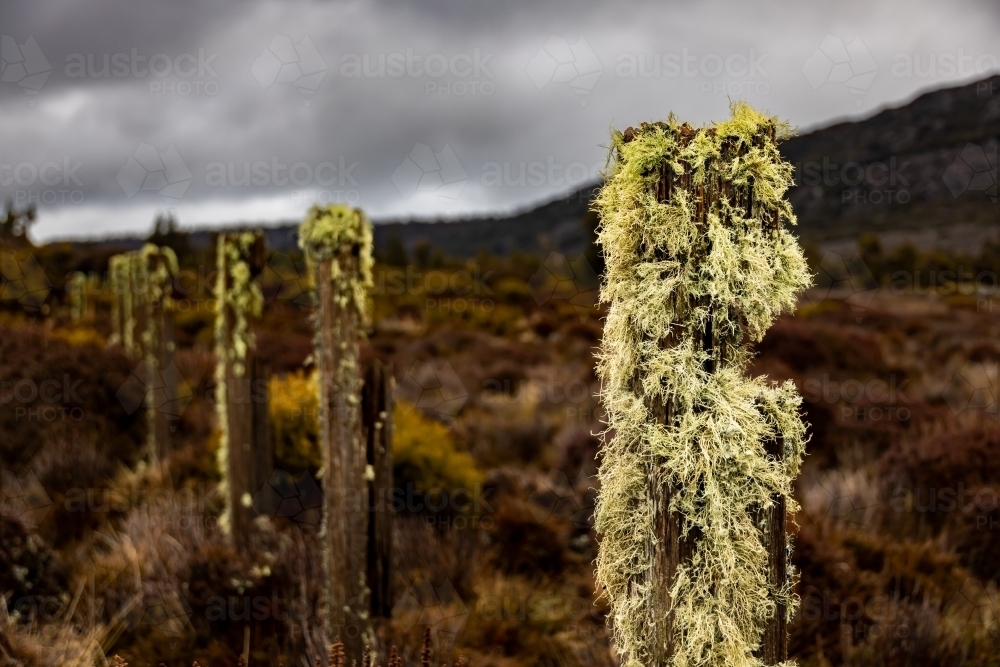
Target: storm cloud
x,y
114,112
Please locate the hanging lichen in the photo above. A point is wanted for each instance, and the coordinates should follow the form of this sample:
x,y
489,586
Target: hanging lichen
x,y
239,295
674,269
342,237
341,233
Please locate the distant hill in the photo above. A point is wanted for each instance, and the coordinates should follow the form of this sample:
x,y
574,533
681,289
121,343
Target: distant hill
x,y
902,157
926,168
917,166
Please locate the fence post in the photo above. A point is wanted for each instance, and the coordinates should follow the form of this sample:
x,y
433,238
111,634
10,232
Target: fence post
x,y
143,324
159,265
239,402
698,459
76,286
376,405
138,293
337,242
121,306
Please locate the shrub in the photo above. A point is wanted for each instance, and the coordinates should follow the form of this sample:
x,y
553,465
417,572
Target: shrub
x,y
294,411
424,454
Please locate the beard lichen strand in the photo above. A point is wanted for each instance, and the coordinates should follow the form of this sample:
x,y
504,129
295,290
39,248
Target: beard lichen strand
x,y
237,298
674,264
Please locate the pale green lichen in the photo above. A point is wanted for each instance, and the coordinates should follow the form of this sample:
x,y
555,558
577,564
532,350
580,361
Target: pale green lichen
x,y
667,277
237,292
340,232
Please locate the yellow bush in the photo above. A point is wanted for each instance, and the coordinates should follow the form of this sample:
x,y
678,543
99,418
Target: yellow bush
x,y
424,454
80,335
294,411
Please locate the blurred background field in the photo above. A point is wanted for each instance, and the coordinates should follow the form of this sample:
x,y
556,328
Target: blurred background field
x,y
490,327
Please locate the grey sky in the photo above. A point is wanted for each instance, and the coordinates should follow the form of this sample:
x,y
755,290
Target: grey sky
x,y
417,109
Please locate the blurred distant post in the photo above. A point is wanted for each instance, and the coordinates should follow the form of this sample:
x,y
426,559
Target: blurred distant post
x,y
337,241
162,379
142,314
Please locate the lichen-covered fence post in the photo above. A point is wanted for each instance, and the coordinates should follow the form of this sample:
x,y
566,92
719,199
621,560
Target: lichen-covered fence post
x,y
76,289
241,397
121,304
160,267
698,460
376,407
142,286
337,242
138,295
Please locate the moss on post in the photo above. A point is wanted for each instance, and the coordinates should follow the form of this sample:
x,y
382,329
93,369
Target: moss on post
x,y
337,241
698,265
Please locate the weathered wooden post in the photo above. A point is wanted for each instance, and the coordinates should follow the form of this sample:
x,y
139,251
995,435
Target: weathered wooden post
x,y
240,397
138,292
337,242
698,462
376,409
159,266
